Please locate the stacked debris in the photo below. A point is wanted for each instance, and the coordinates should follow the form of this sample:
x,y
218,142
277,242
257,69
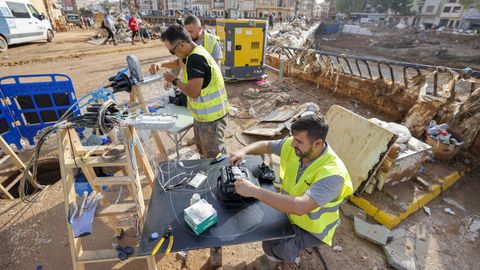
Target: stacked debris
x,y
293,34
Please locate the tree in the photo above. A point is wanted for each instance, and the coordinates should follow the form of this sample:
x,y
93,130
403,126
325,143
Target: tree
x,y
347,6
469,3
399,7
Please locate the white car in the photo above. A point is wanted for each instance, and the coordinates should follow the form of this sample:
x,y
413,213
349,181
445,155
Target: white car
x,y
21,22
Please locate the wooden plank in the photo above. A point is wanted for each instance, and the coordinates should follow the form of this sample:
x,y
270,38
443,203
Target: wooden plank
x,y
361,144
69,196
143,158
14,158
14,181
98,150
122,208
135,185
152,263
4,190
96,162
104,255
117,180
4,158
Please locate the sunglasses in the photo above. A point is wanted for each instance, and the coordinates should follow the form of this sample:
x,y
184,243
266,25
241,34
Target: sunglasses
x,y
172,51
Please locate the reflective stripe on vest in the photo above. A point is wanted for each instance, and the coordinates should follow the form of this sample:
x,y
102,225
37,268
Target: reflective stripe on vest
x,y
212,104
321,222
209,41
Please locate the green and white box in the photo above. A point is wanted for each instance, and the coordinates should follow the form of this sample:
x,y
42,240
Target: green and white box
x,y
200,216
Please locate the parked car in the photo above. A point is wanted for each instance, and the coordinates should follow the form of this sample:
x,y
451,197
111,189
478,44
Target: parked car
x,y
20,22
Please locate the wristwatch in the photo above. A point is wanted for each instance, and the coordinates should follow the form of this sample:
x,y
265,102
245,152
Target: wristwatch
x,y
174,82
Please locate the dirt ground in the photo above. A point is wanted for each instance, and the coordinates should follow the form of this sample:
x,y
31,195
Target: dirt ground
x,y
35,234
430,48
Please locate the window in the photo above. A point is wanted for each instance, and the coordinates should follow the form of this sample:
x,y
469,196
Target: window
x,y
34,12
456,9
452,1
19,10
430,8
5,12
447,9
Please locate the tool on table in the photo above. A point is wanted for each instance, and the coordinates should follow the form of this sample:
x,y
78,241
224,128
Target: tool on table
x,y
123,252
218,158
169,235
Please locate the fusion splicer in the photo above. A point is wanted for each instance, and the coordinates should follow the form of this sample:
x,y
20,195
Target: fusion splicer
x,y
226,182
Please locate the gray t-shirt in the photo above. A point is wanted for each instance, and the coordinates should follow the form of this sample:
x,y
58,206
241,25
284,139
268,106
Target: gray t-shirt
x,y
217,51
324,191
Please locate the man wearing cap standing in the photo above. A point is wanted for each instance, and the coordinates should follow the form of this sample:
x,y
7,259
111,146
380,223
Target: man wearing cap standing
x,y
204,87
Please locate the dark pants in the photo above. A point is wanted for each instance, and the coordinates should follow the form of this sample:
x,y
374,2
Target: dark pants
x,y
134,34
288,249
110,35
210,137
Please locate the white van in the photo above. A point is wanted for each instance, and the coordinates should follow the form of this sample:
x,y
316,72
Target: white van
x,y
21,22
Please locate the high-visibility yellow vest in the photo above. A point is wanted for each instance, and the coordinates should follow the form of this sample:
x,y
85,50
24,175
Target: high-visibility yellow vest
x,y
212,104
209,41
322,221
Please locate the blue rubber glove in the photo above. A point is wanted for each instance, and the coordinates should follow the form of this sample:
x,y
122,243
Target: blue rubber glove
x,y
82,223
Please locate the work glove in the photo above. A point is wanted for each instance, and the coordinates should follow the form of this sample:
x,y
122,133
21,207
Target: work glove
x,y
82,223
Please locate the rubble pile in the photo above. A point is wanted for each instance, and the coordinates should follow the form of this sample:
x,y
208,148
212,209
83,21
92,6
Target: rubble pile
x,y
293,34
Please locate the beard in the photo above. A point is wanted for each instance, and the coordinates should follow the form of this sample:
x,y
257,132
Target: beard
x,y
305,154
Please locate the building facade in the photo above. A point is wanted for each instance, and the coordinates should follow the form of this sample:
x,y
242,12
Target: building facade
x,y
247,9
282,9
471,20
437,13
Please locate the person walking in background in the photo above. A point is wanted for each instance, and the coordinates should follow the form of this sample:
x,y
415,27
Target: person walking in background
x,y
134,26
107,24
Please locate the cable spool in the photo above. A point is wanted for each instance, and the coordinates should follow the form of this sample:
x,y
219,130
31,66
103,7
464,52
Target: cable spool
x,y
107,110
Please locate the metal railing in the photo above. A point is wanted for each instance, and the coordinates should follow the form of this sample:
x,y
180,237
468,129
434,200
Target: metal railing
x,y
395,71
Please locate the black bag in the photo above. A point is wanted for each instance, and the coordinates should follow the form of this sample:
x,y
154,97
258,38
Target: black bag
x,y
180,99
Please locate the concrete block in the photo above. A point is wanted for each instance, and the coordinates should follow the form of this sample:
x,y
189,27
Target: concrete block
x,y
375,233
351,211
399,260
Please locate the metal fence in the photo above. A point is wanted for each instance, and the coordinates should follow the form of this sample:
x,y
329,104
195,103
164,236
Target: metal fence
x,y
395,71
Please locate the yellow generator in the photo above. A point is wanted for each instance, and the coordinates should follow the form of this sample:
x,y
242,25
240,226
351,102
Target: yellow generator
x,y
243,48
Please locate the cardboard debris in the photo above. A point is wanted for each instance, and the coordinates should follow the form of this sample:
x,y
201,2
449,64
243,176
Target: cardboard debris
x,y
351,133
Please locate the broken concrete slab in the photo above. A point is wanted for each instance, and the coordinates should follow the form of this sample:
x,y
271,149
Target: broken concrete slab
x,y
401,251
351,211
375,233
399,260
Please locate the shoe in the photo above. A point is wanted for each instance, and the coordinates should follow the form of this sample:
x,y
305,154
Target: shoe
x,y
272,258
